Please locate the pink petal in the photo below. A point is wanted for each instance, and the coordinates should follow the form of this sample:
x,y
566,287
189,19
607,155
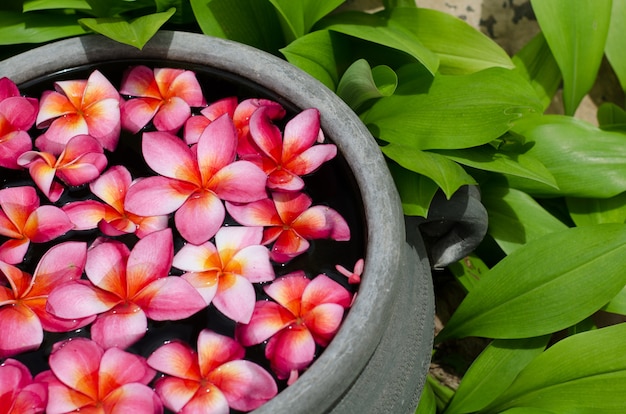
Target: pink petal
x,y
176,392
284,180
215,349
169,156
13,375
79,299
85,215
322,222
235,297
118,367
180,83
235,238
266,135
52,105
258,213
62,399
323,289
150,259
19,112
8,88
104,122
198,258
106,266
31,399
121,327
42,172
60,132
140,81
245,385
176,359
131,398
47,223
137,112
208,399
200,217
117,227
205,284
63,262
290,349
300,133
323,321
26,333
75,363
51,323
216,147
220,107
194,126
98,88
291,205
147,225
288,245
267,319
12,147
161,299
171,115
156,196
111,187
310,160
287,290
239,182
18,203
253,263
13,251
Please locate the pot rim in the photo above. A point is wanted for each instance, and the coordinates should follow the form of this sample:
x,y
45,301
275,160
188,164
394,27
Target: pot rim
x,y
361,331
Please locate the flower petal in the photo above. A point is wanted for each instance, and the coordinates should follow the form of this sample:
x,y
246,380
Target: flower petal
x,y
52,105
257,213
290,349
18,203
31,399
131,398
62,399
85,215
111,186
60,132
235,297
137,112
121,327
215,349
161,299
176,392
176,359
12,146
47,223
106,266
79,299
118,367
266,135
245,384
26,333
323,289
171,115
217,147
180,83
267,319
284,180
13,251
200,217
323,321
240,182
104,122
288,245
156,196
253,263
287,290
169,156
322,222
150,259
291,205
301,132
140,81
208,399
311,159
75,363
204,282
198,258
63,262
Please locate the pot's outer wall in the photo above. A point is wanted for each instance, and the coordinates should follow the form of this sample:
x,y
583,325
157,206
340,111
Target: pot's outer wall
x,y
378,361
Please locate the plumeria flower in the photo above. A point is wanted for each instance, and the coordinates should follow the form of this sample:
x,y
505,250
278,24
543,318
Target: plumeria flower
x,y
223,273
306,312
164,96
17,115
111,216
23,300
193,181
125,288
79,107
23,221
19,393
81,161
354,277
212,379
85,378
286,159
289,222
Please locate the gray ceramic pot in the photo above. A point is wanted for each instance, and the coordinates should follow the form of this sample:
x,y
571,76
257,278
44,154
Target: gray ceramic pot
x,y
378,361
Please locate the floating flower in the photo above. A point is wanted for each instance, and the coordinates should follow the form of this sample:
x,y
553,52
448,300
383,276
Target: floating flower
x,y
354,277
111,217
23,221
223,273
81,161
23,301
285,159
212,379
85,378
79,107
306,312
164,96
19,393
125,288
17,115
194,180
289,222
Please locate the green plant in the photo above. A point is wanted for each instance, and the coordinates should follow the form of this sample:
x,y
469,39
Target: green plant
x,y
450,108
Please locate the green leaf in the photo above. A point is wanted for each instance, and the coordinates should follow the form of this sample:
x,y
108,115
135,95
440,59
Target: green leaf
x,y
448,175
487,158
390,4
428,402
583,373
614,48
252,22
360,83
114,8
515,218
576,36
416,191
493,371
617,304
184,13
536,63
377,29
442,393
589,211
135,32
469,271
461,48
578,269
584,160
32,5
34,27
453,111
300,16
611,117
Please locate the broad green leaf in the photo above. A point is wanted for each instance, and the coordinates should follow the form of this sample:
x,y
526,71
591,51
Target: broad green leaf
x,y
115,8
34,27
611,117
469,271
389,4
579,269
614,48
527,410
300,16
360,83
378,29
416,191
576,36
493,371
583,373
135,32
515,218
461,48
428,402
453,111
184,13
32,5
448,175
584,160
536,63
588,211
443,394
617,304
487,158
252,22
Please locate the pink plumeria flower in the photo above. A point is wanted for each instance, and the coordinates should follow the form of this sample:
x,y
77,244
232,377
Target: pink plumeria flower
x,y
17,115
111,216
286,159
289,222
194,181
164,96
79,107
23,221
19,393
125,288
306,312
23,301
354,277
223,273
81,161
212,379
85,378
